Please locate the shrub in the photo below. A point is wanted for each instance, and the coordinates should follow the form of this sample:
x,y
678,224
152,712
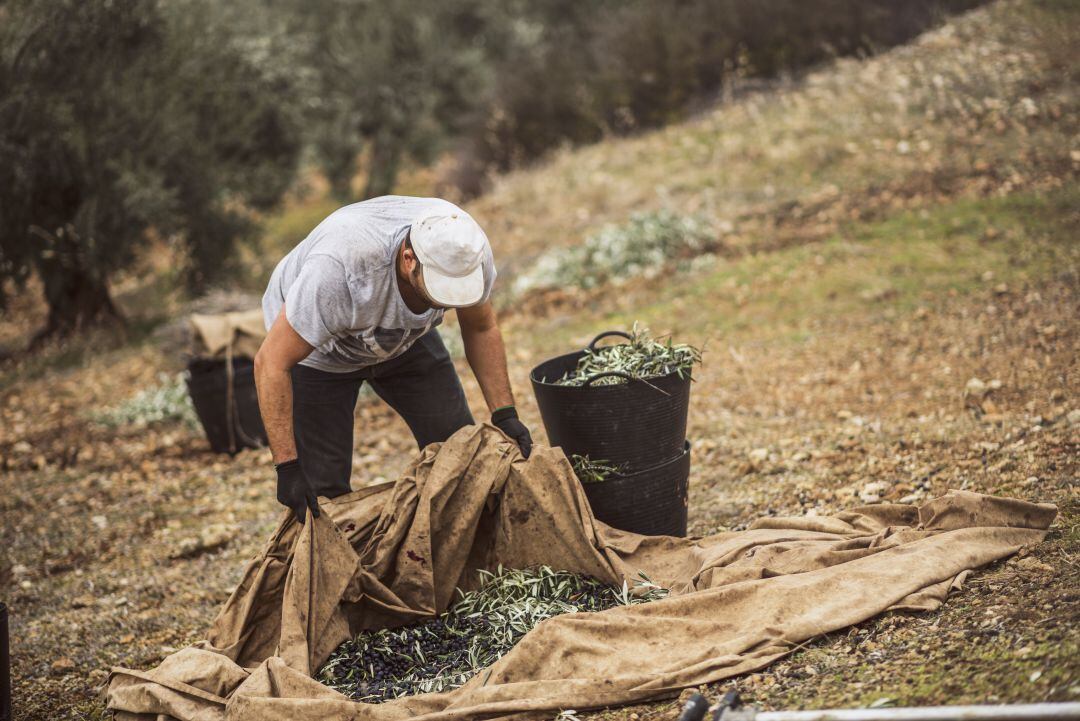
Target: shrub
x,y
641,247
167,402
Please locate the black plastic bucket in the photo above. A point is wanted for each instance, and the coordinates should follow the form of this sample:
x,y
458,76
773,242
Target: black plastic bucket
x,y
652,502
636,425
230,416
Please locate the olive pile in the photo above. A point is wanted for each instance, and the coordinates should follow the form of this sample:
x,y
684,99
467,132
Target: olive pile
x,y
641,357
446,651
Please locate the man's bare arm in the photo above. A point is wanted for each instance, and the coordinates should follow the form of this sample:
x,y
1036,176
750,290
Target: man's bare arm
x,y
281,350
486,354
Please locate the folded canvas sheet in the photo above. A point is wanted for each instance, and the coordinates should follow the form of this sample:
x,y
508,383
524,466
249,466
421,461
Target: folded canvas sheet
x,y
393,553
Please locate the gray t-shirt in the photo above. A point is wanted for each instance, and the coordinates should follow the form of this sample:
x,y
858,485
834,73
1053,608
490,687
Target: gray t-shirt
x,y
339,285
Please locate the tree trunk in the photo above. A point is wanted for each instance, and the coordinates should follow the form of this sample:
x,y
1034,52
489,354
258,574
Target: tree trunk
x,y
77,298
382,173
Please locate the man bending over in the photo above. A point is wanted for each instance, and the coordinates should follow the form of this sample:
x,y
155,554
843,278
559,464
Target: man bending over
x,y
358,300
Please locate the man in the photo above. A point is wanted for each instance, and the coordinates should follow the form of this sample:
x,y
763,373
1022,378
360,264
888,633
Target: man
x,y
358,300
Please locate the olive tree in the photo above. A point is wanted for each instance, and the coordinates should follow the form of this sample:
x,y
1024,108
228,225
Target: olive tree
x,y
393,78
122,121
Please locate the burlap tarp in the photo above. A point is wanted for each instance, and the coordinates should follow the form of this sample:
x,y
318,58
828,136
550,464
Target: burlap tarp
x,y
393,553
236,334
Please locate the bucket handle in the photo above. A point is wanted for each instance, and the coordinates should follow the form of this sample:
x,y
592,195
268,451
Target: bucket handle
x,y
619,374
607,374
605,334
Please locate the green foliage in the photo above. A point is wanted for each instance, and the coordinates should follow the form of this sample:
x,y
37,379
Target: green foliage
x,y
589,471
640,357
167,402
395,77
505,81
481,627
572,70
641,247
128,123
118,120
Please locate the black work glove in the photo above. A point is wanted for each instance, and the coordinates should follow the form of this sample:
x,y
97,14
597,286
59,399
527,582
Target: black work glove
x,y
294,491
506,420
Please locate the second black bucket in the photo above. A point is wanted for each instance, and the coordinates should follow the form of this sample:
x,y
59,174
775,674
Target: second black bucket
x,y
637,424
228,407
652,502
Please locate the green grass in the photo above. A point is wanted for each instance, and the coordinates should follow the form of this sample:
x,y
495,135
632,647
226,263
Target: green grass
x,y
281,232
891,266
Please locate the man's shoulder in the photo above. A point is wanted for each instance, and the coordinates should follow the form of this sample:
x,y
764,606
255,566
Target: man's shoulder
x,y
397,209
364,236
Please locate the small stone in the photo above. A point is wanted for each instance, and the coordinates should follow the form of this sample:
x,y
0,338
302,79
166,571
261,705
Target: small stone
x,y
83,602
1073,417
872,492
100,521
757,459
1034,565
63,665
975,389
209,539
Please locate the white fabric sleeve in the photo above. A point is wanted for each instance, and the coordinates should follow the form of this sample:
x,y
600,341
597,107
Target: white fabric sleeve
x,y
318,304
489,274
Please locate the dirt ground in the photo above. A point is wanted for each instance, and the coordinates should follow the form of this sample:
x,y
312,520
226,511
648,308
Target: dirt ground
x,y
123,544
914,332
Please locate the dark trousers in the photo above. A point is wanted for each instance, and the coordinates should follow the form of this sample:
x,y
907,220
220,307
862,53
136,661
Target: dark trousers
x,y
420,384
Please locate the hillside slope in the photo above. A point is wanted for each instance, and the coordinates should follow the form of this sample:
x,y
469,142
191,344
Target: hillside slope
x,y
880,235
985,104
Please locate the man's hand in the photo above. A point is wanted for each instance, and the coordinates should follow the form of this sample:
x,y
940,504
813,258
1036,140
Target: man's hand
x,y
506,420
294,491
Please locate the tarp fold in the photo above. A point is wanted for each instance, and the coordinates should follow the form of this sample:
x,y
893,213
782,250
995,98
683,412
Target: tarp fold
x,y
394,553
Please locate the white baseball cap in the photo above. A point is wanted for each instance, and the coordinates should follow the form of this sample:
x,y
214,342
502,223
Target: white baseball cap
x,y
451,248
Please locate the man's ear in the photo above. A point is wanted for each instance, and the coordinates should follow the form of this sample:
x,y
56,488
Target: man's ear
x,y
410,259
